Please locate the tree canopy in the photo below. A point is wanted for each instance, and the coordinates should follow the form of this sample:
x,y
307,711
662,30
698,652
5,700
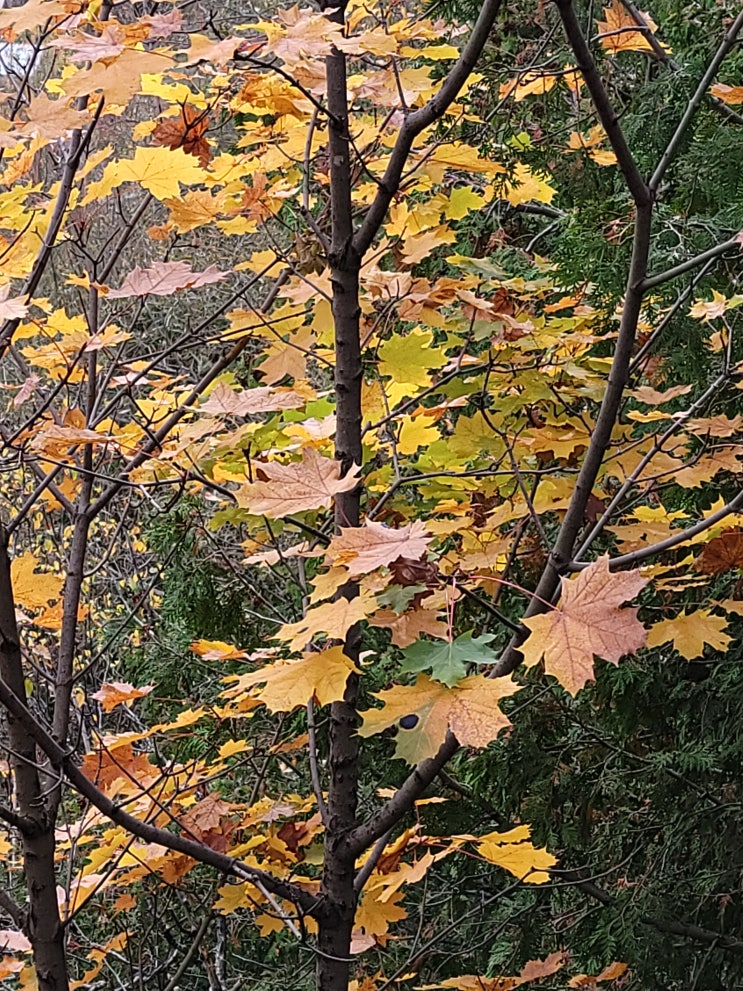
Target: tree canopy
x,y
372,520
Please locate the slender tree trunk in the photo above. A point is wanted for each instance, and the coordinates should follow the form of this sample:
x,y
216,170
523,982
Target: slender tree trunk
x,y
338,896
35,816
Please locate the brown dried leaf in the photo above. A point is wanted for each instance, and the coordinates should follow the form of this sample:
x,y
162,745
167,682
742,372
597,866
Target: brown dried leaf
x,y
374,545
722,553
187,132
225,401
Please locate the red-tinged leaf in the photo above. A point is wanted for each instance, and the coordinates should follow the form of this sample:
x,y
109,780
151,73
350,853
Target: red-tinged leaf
x,y
187,132
27,390
588,622
374,545
94,47
11,308
165,278
14,941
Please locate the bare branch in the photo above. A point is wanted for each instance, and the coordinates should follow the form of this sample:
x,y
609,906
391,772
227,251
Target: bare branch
x,y
607,115
651,281
403,800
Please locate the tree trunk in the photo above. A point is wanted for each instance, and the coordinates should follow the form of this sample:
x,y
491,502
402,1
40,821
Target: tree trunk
x,y
338,896
35,817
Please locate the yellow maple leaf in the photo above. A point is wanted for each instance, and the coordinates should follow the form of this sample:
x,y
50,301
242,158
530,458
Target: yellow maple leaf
x,y
620,32
527,185
589,142
319,675
374,916
235,896
423,712
707,310
288,359
195,208
419,246
31,588
159,170
216,650
689,632
407,361
515,852
333,619
284,489
527,84
588,621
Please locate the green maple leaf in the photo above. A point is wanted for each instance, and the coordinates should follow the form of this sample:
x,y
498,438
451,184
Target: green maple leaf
x,y
399,597
448,661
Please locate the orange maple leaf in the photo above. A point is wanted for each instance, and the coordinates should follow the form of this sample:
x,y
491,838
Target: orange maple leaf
x,y
113,693
728,94
407,627
620,32
186,132
588,621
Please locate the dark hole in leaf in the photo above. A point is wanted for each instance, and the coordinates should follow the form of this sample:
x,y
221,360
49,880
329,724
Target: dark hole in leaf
x,y
409,722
